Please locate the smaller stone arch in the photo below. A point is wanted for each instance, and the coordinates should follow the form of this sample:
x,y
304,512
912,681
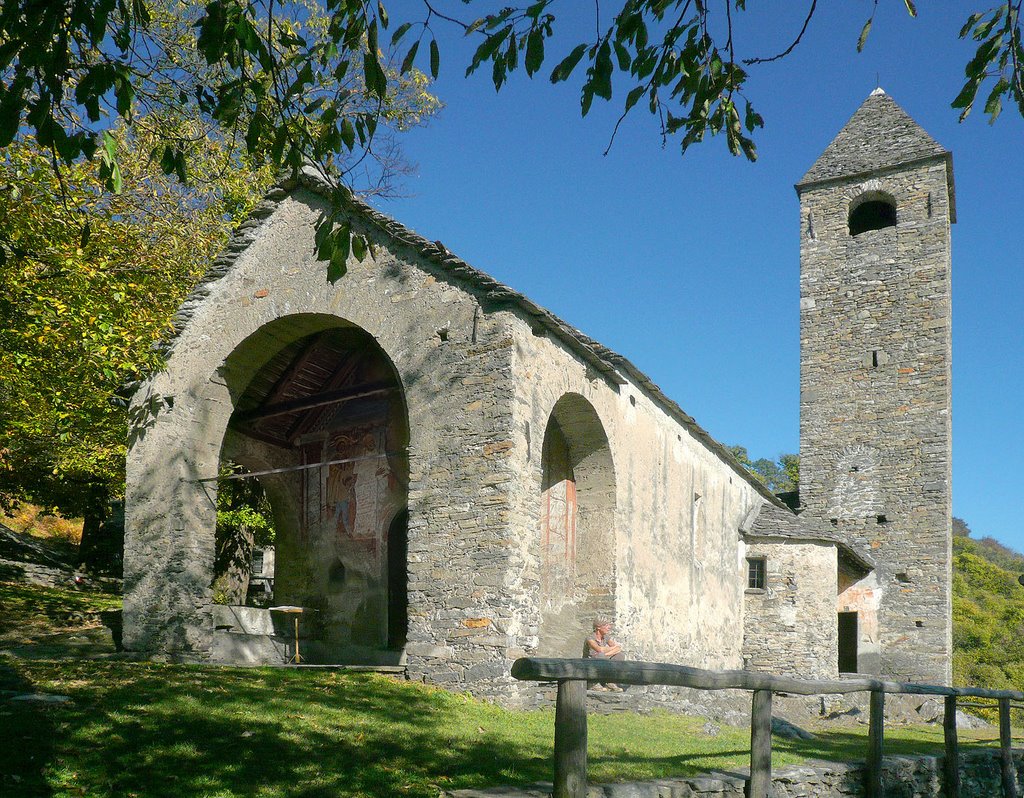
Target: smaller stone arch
x,y
872,210
577,527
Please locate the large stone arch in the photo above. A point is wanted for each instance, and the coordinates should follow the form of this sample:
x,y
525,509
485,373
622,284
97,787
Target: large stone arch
x,y
262,393
577,526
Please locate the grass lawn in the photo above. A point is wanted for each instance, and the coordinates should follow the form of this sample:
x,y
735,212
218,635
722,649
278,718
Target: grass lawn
x,y
28,612
149,730
140,729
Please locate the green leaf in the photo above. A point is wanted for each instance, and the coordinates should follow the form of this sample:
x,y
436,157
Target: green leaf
x,y
601,79
634,96
911,8
376,80
383,14
338,264
568,64
410,57
435,59
965,99
534,51
359,247
863,36
488,48
348,133
400,32
994,104
972,20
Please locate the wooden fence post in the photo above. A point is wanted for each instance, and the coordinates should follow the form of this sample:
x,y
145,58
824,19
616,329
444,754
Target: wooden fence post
x,y
876,734
1009,772
952,760
760,744
571,739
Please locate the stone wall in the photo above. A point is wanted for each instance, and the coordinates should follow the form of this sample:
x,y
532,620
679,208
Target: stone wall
x,y
676,508
875,442
486,379
453,362
902,777
789,626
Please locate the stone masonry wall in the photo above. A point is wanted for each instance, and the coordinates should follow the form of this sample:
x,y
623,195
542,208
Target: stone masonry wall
x,y
902,777
453,360
789,627
482,371
677,511
875,444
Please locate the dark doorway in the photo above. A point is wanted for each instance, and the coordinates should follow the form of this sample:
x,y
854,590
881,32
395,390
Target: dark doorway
x,y
848,642
398,585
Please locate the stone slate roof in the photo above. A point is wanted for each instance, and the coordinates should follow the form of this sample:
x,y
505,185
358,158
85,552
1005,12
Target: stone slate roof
x,y
879,135
611,365
778,523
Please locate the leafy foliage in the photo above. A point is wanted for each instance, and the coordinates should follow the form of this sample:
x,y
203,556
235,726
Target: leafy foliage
x,y
988,619
306,81
998,61
779,476
90,282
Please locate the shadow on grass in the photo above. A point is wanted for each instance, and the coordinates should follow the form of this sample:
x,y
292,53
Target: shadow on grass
x,y
161,731
27,731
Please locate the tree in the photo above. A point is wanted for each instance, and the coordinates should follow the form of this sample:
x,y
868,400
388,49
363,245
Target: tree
x,y
89,285
297,81
91,277
781,476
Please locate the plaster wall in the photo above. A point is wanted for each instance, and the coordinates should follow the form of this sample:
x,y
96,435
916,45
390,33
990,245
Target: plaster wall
x,y
677,510
789,627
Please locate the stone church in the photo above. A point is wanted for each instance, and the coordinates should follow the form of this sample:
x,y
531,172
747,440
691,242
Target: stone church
x,y
459,478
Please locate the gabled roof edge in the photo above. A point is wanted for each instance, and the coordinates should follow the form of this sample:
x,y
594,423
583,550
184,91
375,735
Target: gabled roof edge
x,y
607,362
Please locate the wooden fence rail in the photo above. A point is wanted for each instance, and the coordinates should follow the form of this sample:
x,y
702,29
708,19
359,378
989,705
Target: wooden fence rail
x,y
572,676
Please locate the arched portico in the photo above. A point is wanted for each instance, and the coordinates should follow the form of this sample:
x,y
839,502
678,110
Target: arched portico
x,y
314,406
577,527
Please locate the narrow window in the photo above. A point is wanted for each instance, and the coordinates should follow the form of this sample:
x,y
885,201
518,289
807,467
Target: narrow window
x,y
257,562
872,215
756,573
874,358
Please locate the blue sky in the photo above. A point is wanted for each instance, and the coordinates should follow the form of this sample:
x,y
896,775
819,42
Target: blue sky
x,y
689,265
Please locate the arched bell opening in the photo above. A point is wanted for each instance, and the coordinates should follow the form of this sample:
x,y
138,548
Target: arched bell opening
x,y
873,210
577,527
322,424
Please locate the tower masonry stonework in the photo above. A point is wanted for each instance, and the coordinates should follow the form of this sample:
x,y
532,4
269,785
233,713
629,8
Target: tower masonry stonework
x,y
875,369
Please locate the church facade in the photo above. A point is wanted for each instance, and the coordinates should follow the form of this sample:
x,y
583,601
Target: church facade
x,y
458,478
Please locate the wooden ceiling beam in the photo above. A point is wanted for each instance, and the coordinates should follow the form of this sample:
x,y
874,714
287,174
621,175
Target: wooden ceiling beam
x,y
316,400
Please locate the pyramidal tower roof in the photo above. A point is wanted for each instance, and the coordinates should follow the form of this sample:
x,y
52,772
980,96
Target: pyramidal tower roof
x,y
879,135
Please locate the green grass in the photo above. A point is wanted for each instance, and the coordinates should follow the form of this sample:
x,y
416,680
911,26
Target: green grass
x,y
28,612
140,729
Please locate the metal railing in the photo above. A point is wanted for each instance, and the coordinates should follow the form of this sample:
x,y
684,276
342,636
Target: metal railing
x,y
572,675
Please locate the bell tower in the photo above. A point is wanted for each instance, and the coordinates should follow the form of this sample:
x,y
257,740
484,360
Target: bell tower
x,y
875,369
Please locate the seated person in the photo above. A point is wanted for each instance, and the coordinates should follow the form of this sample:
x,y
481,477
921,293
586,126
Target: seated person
x,y
601,646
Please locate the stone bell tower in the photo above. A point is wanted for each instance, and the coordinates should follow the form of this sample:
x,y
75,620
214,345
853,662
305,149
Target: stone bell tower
x,y
875,368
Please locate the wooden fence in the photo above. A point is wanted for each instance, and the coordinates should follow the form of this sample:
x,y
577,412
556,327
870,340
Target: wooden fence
x,y
572,676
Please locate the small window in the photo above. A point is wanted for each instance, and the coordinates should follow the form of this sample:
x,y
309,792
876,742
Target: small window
x,y
756,573
257,562
874,214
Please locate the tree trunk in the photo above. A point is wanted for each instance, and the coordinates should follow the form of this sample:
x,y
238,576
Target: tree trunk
x,y
233,565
